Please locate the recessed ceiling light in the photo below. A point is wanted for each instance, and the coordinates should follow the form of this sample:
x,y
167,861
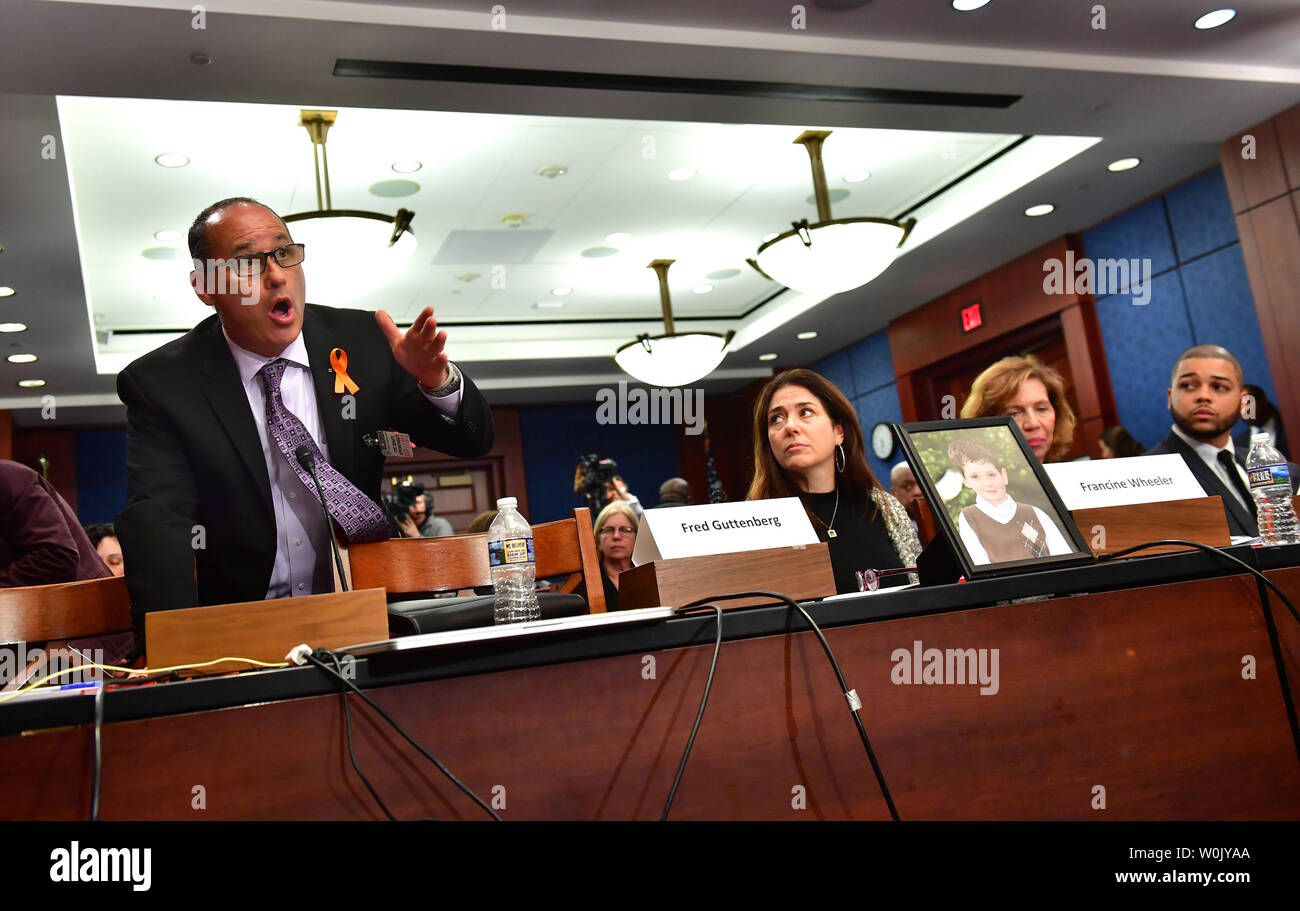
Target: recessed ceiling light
x,y
552,171
966,6
407,166
21,358
1216,18
31,384
549,305
722,274
164,254
1043,209
804,336
599,252
856,176
561,291
172,160
767,357
1124,164
681,173
393,189
618,237
701,289
13,327
839,194
167,235
6,291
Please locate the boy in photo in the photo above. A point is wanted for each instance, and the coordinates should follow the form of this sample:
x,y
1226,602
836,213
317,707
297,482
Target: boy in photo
x,y
997,529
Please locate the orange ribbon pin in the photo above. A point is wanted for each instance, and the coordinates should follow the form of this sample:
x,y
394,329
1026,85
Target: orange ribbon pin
x,y
339,361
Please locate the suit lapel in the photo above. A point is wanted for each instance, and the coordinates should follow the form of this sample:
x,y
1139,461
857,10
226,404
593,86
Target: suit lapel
x,y
340,433
1212,483
225,393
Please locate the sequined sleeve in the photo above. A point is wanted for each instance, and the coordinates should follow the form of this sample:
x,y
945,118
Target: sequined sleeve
x,y
899,525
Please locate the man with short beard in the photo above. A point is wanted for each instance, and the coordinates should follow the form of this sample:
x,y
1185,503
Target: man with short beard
x,y
1204,398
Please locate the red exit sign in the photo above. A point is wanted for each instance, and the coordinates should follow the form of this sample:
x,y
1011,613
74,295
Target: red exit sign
x,y
970,317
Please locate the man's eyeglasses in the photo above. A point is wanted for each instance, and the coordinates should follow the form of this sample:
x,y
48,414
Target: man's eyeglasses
x,y
248,265
609,531
869,579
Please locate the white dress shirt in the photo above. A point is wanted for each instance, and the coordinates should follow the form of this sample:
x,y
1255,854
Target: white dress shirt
x,y
1003,513
303,563
1209,454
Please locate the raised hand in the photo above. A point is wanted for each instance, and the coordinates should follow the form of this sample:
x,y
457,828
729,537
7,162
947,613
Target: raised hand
x,y
420,350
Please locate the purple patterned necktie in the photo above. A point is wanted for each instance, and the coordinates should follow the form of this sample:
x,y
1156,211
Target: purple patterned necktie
x,y
359,516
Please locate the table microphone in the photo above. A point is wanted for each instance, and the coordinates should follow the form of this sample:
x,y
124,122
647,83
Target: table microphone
x,y
308,461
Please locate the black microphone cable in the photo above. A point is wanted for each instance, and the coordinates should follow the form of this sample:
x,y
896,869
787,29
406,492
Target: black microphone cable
x,y
704,700
308,461
1209,549
850,695
1261,581
347,726
95,780
315,658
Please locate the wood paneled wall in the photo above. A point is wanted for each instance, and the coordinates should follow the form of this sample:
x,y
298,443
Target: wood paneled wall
x,y
1012,302
505,459
60,447
730,436
1265,194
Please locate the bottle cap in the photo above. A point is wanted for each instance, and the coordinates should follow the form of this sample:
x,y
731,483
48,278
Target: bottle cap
x,y
1261,438
506,501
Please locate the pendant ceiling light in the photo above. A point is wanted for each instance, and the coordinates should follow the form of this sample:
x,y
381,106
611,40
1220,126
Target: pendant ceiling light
x,y
674,358
349,252
834,254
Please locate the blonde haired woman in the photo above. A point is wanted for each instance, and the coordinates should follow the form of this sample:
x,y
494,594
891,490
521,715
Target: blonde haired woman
x,y
616,527
1032,393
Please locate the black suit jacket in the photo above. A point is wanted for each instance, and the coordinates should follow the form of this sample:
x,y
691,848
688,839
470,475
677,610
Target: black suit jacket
x,y
199,526
1240,520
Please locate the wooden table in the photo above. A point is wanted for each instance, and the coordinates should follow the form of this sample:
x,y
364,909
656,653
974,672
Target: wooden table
x,y
1137,690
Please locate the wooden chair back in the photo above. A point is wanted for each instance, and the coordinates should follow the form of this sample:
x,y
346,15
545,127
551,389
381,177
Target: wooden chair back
x,y
410,565
65,610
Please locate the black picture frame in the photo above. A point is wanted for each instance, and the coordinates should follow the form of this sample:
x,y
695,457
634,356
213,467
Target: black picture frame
x,y
1001,434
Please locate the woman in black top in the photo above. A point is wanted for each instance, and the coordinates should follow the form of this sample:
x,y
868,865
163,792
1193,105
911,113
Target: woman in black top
x,y
808,443
615,536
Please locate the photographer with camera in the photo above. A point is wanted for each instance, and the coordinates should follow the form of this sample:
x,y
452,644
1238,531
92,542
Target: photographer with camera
x,y
409,510
597,479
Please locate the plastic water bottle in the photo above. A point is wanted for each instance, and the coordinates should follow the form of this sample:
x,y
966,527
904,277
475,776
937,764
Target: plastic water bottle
x,y
510,553
1270,485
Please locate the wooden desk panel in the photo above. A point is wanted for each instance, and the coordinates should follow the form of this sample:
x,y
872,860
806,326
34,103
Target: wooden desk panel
x,y
1137,691
1288,630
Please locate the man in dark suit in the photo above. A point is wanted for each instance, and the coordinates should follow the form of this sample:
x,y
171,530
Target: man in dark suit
x,y
219,509
1204,397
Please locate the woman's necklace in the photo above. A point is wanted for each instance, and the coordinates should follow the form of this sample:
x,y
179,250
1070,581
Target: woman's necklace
x,y
830,526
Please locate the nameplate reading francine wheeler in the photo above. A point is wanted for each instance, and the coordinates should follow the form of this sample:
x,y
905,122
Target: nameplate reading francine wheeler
x,y
721,528
1123,482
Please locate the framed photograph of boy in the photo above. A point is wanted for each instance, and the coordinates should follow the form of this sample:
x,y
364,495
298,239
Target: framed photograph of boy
x,y
990,497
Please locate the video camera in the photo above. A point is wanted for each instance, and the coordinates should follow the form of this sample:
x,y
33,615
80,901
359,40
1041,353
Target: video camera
x,y
590,480
398,500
